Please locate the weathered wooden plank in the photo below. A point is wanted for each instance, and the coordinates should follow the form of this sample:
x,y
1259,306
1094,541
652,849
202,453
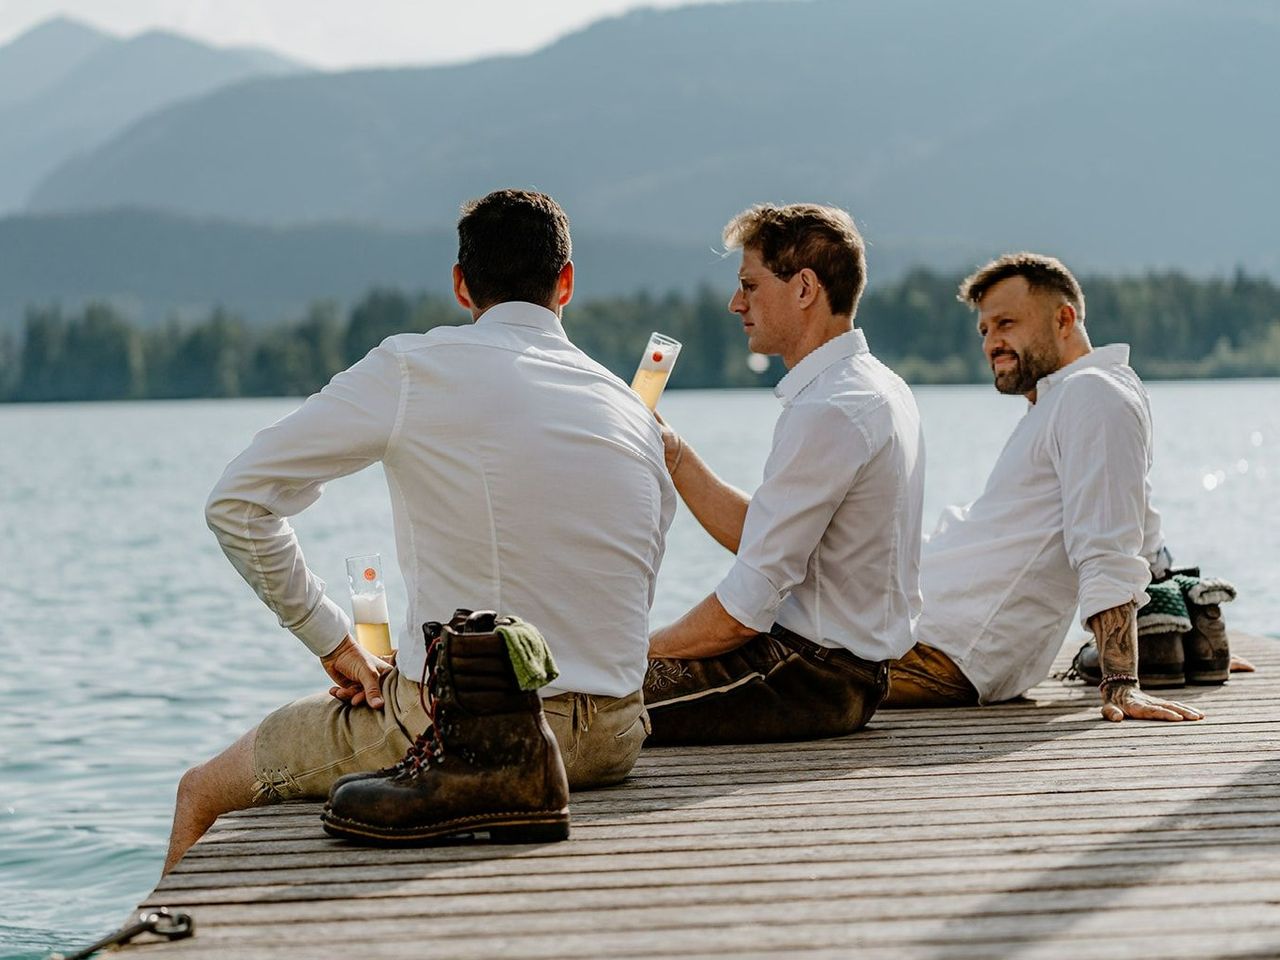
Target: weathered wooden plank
x,y
786,833
989,915
772,933
887,898
509,862
306,837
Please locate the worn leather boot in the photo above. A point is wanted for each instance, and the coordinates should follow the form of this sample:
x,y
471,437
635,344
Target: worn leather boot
x,y
487,764
1160,662
1205,647
431,633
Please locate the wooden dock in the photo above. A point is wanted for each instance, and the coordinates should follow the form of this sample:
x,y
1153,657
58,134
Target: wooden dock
x,y
1025,830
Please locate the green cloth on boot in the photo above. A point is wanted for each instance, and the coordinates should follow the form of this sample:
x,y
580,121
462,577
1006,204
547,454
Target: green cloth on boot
x,y
530,657
1203,591
1165,612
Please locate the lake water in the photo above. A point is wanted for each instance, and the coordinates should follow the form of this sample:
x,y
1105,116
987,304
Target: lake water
x,y
134,650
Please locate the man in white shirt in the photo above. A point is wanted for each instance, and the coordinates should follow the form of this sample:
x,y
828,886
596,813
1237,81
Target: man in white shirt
x,y
794,642
1065,520
524,478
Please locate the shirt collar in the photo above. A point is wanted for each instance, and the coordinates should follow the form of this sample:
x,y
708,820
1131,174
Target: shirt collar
x,y
518,313
1110,356
806,371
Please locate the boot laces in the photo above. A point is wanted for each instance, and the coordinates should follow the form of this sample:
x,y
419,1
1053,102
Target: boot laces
x,y
428,745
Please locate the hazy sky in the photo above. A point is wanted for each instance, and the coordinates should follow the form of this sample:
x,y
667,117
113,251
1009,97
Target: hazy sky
x,y
339,33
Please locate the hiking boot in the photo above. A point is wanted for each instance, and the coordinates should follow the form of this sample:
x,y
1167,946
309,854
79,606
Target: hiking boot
x,y
1208,654
1160,662
1205,648
488,763
431,633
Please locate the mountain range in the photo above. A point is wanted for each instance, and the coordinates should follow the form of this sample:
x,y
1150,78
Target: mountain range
x,y
1121,136
66,87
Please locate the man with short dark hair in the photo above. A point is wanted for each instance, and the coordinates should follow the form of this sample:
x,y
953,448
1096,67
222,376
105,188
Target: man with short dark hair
x,y
524,478
794,642
1065,519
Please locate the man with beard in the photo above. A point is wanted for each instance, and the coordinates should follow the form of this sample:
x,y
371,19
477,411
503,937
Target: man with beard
x,y
1065,518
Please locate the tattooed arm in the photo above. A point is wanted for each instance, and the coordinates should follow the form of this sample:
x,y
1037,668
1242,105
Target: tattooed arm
x,y
1117,633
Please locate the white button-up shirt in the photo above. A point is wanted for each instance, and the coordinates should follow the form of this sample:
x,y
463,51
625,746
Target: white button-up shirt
x,y
524,477
1064,520
831,544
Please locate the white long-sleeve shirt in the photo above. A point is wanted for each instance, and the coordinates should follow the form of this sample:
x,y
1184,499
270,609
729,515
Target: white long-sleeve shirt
x,y
1065,520
830,546
524,477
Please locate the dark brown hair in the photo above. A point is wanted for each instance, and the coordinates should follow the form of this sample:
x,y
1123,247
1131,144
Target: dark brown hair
x,y
1041,273
800,235
512,245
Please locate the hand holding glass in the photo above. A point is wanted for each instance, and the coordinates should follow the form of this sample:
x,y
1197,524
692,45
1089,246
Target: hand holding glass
x,y
369,604
655,367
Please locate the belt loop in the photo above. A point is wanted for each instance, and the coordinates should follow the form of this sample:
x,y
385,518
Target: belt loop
x,y
584,711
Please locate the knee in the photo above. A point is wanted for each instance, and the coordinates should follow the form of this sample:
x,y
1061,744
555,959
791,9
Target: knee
x,y
191,787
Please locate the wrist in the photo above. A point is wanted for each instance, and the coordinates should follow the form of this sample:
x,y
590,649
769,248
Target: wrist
x,y
1116,685
673,462
343,644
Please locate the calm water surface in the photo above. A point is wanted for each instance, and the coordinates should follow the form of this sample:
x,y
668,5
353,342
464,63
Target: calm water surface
x,y
134,650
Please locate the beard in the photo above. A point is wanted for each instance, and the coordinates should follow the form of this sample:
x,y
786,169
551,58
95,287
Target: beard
x,y
1035,362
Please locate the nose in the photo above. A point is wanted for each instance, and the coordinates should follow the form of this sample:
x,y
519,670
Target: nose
x,y
738,303
992,342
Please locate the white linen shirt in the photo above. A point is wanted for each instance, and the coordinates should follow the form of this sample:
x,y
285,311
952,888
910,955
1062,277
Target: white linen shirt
x,y
1065,520
524,478
831,544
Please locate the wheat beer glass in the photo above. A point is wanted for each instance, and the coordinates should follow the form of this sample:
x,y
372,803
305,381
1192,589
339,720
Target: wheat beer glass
x,y
655,367
369,604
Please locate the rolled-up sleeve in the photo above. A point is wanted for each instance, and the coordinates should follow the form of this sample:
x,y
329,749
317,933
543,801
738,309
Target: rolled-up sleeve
x,y
817,453
1101,450
345,427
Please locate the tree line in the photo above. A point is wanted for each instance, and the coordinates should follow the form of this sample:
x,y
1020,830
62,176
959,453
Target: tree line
x,y
1177,326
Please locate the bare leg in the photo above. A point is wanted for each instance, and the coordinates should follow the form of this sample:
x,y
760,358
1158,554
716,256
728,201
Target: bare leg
x,y
209,790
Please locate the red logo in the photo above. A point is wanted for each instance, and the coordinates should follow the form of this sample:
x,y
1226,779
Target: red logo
x,y
657,357
370,573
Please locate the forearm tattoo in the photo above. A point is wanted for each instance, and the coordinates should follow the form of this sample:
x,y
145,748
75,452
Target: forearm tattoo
x,y
1116,631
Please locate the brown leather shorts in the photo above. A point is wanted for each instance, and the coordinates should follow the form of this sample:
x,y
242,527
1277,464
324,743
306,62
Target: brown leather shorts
x,y
776,686
925,677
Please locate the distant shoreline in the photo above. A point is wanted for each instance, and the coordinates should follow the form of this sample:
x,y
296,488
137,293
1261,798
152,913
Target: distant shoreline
x,y
1178,328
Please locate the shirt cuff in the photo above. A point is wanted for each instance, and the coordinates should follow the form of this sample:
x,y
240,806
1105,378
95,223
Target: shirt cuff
x,y
747,595
325,629
1101,593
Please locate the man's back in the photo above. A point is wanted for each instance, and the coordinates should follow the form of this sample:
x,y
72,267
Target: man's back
x,y
529,480
524,477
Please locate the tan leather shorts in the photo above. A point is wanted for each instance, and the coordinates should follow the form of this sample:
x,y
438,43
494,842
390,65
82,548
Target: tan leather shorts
x,y
302,748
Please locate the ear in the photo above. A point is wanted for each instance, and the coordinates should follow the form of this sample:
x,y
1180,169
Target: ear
x,y
810,289
1065,320
564,285
460,292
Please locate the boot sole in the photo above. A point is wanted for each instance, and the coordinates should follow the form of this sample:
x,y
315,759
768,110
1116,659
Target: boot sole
x,y
1161,683
546,827
1210,675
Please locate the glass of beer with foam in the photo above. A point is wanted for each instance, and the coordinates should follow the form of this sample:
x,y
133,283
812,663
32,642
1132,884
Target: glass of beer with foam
x,y
369,604
655,367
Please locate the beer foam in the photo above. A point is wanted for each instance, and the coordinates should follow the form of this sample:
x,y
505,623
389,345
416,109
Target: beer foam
x,y
370,607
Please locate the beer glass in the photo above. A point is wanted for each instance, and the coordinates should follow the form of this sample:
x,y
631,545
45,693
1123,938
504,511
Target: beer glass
x,y
369,604
655,367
